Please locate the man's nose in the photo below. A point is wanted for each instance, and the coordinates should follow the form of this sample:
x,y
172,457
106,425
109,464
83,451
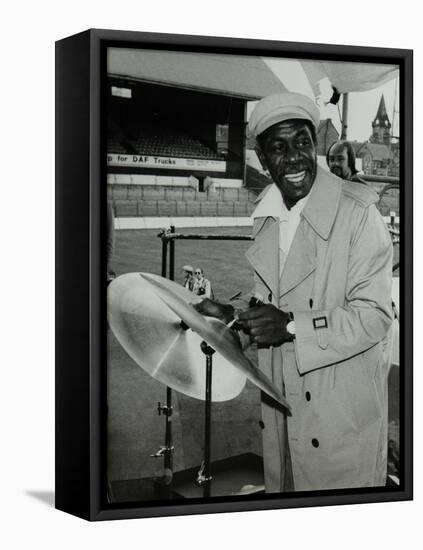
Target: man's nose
x,y
292,154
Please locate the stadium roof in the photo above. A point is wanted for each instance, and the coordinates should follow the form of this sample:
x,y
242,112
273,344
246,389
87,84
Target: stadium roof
x,y
243,77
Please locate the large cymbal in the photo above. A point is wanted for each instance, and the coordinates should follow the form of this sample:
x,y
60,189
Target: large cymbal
x,y
145,312
151,333
217,335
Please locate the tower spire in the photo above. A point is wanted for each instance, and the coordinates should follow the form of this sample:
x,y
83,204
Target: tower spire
x,y
381,112
381,125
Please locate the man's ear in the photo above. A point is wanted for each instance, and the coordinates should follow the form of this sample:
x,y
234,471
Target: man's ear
x,y
260,156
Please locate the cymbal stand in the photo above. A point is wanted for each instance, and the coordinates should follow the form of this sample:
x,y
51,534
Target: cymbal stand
x,y
166,450
204,474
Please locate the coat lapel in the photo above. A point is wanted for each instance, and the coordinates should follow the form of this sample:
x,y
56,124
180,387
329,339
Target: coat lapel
x,y
301,260
263,254
317,220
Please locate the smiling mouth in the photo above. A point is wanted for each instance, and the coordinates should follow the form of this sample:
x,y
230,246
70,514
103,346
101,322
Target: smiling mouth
x,y
295,178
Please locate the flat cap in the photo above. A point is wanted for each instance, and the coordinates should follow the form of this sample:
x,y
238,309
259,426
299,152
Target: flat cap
x,y
279,107
188,268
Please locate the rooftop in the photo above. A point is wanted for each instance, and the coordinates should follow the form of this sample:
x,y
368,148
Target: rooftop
x,y
243,77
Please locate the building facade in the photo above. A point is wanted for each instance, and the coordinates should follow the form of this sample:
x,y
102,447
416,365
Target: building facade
x,y
380,155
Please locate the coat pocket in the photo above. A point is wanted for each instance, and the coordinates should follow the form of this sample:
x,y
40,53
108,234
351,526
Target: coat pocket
x,y
370,362
355,389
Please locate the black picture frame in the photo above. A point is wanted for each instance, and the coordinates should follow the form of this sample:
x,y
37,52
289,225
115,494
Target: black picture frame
x,y
80,264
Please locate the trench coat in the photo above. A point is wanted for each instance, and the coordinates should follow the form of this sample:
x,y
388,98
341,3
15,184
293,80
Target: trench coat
x,y
337,282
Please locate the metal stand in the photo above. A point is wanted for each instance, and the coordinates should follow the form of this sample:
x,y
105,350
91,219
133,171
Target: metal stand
x,y
168,238
166,450
204,474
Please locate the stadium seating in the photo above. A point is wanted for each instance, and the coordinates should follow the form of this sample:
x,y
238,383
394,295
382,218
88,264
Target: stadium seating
x,y
117,192
156,139
162,141
153,193
166,208
134,192
174,193
125,208
181,208
155,201
229,194
226,208
208,208
169,198
114,146
193,208
241,209
147,209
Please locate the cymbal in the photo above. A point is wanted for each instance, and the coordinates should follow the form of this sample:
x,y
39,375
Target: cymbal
x,y
145,313
217,335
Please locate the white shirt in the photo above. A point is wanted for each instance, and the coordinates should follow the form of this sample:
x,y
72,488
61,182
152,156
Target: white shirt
x,y
272,205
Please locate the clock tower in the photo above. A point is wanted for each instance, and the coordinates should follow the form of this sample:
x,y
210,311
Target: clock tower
x,y
381,125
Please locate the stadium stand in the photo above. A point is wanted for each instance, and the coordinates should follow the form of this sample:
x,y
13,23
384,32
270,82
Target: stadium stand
x,y
156,140
157,192
143,200
160,208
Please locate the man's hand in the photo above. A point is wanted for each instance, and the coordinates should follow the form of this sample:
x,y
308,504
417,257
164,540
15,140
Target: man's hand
x,y
266,325
224,312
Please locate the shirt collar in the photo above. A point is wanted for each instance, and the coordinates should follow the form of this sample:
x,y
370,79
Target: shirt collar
x,y
272,205
320,206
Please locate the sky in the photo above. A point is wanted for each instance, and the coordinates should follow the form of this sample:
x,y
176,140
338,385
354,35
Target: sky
x,y
362,106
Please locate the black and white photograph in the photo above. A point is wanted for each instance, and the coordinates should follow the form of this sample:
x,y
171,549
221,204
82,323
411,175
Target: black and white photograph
x,y
253,276
211,301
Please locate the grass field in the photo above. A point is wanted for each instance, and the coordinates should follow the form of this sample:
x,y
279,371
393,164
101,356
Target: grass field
x,y
134,429
223,262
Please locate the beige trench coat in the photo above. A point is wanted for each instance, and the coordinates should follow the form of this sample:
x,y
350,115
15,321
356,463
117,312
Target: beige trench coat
x,y
337,282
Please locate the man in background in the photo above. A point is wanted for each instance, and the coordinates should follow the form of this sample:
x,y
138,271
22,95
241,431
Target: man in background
x,y
188,282
202,286
340,159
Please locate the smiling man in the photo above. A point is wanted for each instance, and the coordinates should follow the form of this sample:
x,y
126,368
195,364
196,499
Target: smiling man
x,y
322,258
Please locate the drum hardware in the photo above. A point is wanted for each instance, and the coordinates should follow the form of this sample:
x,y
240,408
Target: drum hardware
x,y
204,475
201,478
154,320
164,409
167,477
161,451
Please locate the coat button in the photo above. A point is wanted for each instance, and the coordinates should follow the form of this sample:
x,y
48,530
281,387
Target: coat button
x,y
315,442
308,395
261,424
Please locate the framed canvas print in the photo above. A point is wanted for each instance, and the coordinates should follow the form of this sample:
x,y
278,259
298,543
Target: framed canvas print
x,y
234,248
